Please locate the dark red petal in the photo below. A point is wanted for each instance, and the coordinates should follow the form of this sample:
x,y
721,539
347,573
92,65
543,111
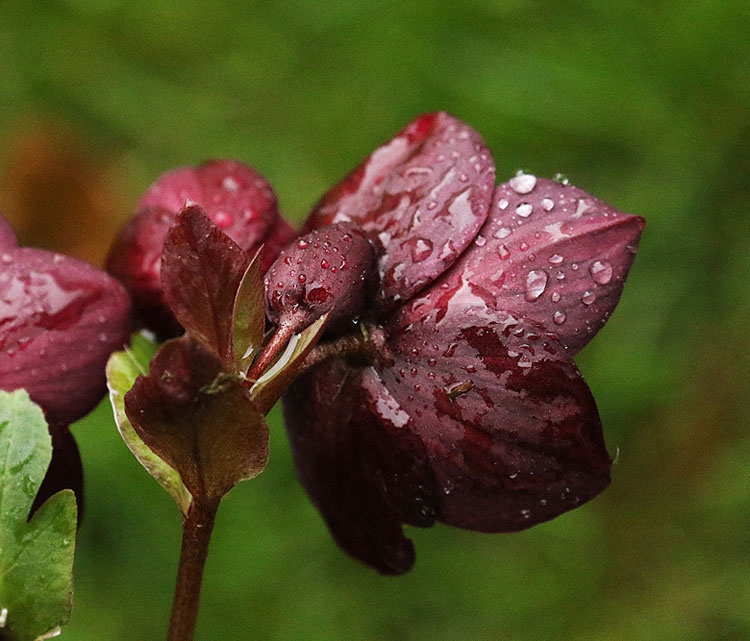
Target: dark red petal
x,y
7,235
200,272
366,475
327,270
510,427
65,470
59,321
423,196
235,197
549,252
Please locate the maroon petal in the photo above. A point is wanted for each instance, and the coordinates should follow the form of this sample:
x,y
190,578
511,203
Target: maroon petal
x,y
511,429
549,252
59,321
423,196
235,197
65,470
365,474
7,236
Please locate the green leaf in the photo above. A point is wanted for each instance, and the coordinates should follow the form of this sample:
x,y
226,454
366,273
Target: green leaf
x,y
274,381
199,419
122,370
36,557
248,317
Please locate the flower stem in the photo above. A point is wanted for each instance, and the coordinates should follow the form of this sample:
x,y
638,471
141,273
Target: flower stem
x,y
277,342
196,535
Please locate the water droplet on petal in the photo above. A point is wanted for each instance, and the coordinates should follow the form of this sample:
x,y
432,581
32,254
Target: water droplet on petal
x,y
559,317
561,178
536,281
555,297
480,241
547,204
502,203
601,272
588,297
523,183
504,252
556,259
524,210
503,232
7,259
421,249
222,219
230,184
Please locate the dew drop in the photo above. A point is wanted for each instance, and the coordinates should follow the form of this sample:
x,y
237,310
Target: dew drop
x,y
324,264
559,317
503,232
7,259
230,184
222,219
556,259
601,272
480,241
302,243
555,297
421,249
302,278
561,178
547,204
523,183
536,281
588,297
524,210
504,252
523,246
502,203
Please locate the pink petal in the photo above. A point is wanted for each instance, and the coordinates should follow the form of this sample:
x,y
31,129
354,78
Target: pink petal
x,y
59,321
237,198
510,427
423,196
549,252
365,476
7,236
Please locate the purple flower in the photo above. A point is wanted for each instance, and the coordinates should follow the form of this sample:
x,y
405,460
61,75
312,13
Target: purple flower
x,y
474,413
236,198
60,319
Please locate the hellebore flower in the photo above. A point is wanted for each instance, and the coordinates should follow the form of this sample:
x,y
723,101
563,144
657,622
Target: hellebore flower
x,y
472,412
60,319
236,198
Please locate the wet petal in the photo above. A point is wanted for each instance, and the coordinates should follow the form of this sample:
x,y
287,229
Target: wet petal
x,y
7,235
423,196
511,429
237,199
549,252
365,474
59,321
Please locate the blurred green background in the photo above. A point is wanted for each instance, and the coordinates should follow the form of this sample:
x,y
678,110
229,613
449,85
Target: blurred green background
x,y
644,104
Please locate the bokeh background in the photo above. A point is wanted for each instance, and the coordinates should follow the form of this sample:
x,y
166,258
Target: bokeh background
x,y
645,104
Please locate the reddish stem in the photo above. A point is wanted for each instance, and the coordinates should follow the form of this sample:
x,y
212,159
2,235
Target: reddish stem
x,y
284,332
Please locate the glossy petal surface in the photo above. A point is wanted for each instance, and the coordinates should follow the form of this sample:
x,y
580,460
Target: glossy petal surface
x,y
359,471
549,252
326,270
512,431
7,235
59,321
236,198
423,197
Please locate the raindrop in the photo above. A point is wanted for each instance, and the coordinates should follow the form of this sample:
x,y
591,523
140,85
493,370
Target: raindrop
x,y
556,259
523,246
523,183
480,241
601,272
302,243
222,219
504,252
502,203
536,281
555,297
561,178
421,249
559,317
524,210
302,278
7,259
230,184
588,297
547,204
503,232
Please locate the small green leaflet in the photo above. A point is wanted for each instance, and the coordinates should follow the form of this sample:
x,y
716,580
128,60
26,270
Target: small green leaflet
x,y
248,317
36,557
122,370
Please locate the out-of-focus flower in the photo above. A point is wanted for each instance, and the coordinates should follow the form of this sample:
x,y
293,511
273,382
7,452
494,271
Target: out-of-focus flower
x,y
473,412
236,198
60,319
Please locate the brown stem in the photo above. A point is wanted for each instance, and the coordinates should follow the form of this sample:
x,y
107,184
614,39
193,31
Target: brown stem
x,y
196,535
367,348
